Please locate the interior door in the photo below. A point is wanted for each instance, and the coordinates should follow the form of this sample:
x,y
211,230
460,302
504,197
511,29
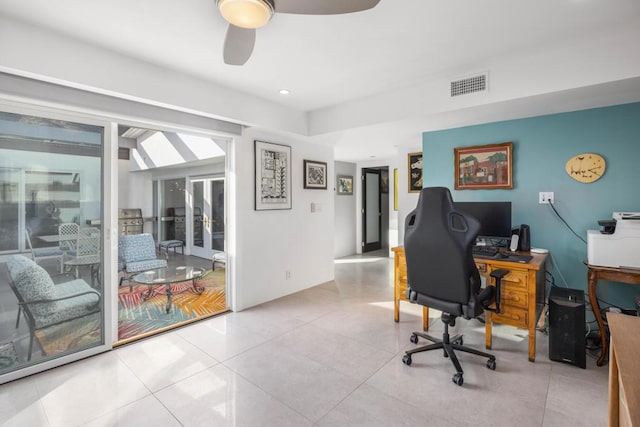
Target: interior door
x,y
371,210
207,221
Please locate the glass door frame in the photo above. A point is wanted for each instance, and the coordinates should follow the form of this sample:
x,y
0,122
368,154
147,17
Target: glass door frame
x,y
206,251
109,155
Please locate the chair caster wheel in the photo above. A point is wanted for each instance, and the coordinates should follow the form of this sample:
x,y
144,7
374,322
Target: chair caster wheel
x,y
491,364
414,338
459,341
457,378
406,359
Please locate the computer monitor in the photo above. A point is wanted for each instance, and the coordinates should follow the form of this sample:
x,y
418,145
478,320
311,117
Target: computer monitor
x,y
494,217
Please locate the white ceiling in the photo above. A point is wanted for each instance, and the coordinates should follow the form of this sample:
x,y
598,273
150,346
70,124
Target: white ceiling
x,y
329,60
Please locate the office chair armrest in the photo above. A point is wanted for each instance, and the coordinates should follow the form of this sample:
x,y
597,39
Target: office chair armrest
x,y
486,301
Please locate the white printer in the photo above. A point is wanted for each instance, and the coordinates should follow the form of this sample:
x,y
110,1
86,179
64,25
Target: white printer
x,y
618,244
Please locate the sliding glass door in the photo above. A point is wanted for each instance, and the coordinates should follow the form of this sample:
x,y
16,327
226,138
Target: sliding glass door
x,y
52,303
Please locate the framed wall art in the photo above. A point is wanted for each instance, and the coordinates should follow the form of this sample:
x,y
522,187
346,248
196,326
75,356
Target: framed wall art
x,y
395,189
484,167
315,175
344,185
273,176
384,181
414,172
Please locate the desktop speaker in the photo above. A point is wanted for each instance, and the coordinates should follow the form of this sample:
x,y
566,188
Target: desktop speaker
x,y
515,242
524,237
567,341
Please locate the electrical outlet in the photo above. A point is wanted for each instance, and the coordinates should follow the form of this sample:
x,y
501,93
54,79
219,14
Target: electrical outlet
x,y
545,197
287,275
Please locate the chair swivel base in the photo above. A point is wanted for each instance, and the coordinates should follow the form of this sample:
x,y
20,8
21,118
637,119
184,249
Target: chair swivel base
x,y
448,345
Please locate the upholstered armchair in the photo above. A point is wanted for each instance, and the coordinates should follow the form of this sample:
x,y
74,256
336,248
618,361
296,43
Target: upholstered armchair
x,y
45,304
137,253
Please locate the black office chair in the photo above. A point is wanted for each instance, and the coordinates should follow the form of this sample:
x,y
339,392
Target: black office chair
x,y
442,274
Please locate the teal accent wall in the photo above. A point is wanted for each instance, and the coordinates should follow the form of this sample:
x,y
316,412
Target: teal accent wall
x,y
542,146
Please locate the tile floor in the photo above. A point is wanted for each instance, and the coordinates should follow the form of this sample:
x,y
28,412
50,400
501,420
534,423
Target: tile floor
x,y
327,356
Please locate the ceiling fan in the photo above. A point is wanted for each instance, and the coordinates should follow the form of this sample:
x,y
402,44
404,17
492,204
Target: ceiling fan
x,y
244,16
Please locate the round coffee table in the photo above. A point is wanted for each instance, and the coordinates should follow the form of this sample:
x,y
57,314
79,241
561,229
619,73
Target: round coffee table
x,y
166,276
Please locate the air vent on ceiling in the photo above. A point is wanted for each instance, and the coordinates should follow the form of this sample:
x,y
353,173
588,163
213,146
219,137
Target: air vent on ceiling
x,y
469,85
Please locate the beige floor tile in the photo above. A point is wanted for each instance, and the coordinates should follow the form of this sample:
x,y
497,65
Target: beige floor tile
x,y
220,397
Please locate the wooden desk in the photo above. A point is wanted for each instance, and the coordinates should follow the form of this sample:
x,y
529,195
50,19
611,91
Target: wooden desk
x,y
522,294
400,286
624,370
594,274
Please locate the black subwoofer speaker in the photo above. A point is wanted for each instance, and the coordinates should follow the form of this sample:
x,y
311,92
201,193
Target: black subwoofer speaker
x,y
567,341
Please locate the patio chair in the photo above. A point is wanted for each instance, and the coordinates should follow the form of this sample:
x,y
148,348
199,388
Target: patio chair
x,y
68,234
87,248
45,304
41,254
137,253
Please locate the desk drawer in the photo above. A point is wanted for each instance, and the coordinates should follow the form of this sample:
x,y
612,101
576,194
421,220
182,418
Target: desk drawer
x,y
514,298
515,280
512,316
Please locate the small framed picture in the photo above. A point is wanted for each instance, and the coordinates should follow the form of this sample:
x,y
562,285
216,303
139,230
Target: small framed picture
x,y
384,181
484,167
415,172
315,175
344,185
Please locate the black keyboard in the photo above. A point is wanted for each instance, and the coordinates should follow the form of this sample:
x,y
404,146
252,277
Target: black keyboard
x,y
485,251
518,258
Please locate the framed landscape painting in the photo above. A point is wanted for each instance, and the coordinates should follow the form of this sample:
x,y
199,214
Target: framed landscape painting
x,y
484,167
273,176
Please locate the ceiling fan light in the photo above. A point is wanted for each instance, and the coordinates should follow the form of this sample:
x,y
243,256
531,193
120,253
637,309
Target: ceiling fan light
x,y
246,13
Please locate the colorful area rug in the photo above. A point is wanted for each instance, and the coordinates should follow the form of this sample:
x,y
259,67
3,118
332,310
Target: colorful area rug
x,y
138,317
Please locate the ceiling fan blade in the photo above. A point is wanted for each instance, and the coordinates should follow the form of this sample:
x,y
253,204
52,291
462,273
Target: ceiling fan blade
x,y
323,7
238,45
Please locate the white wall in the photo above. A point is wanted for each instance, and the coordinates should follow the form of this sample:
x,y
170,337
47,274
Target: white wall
x,y
345,214
134,189
269,243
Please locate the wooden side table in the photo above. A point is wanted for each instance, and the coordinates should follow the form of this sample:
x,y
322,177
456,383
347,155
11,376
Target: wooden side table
x,y
595,274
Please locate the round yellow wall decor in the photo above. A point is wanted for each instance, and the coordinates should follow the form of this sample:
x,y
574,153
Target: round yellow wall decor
x,y
587,167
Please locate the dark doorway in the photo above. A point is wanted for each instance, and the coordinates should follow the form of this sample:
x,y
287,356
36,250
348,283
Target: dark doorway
x,y
371,210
